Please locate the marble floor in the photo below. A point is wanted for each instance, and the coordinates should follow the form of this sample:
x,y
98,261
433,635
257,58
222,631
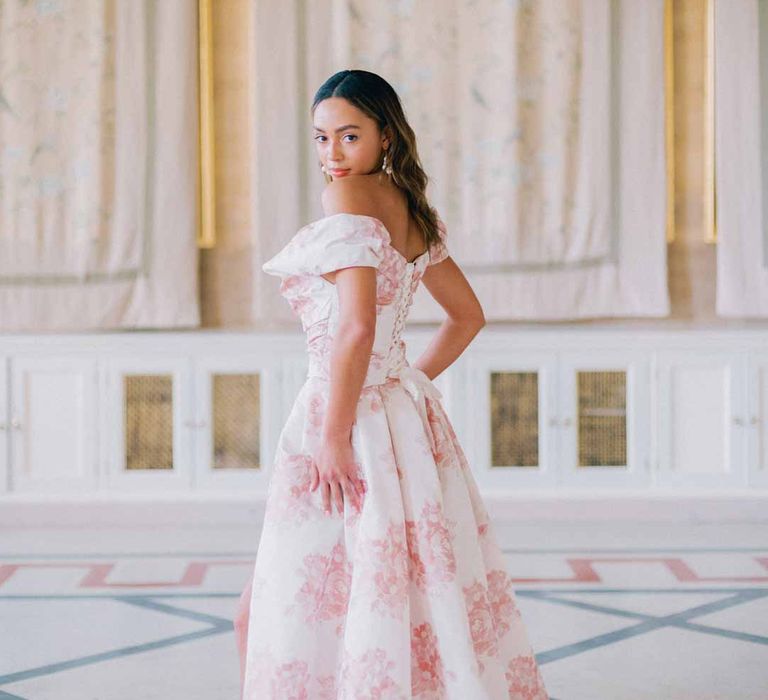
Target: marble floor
x,y
619,611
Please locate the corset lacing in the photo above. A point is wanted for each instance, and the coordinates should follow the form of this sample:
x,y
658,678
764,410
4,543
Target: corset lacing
x,y
396,354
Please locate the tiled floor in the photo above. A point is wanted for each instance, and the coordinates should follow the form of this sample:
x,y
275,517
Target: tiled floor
x,y
615,612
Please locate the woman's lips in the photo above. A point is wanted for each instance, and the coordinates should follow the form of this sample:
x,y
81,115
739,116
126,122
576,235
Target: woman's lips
x,y
339,172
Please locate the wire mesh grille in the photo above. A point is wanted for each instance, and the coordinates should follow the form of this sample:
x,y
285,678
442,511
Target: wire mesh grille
x,y
602,398
236,421
514,419
148,421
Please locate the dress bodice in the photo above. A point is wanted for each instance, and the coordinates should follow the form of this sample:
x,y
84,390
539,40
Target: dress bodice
x,y
346,240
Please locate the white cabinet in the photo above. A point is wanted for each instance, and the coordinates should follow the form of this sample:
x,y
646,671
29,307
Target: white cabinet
x,y
702,418
201,413
579,419
236,417
5,427
53,436
183,416
603,421
206,422
146,422
756,425
511,402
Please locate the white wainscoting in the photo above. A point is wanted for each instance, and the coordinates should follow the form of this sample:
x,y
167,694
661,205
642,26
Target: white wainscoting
x,y
693,419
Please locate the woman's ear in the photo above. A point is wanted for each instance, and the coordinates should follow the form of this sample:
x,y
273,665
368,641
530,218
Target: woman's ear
x,y
386,135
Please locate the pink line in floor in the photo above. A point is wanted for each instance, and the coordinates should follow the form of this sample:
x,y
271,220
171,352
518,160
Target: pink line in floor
x,y
195,572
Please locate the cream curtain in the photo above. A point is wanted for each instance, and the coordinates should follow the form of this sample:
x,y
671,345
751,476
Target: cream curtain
x,y
741,154
540,124
98,138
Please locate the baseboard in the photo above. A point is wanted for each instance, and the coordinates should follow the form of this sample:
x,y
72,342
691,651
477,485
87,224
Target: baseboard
x,y
230,509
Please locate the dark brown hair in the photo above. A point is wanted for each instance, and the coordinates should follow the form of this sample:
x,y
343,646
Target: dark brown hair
x,y
376,98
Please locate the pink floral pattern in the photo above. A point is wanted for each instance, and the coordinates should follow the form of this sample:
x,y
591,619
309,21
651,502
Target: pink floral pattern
x,y
290,498
324,595
430,548
316,412
369,677
524,681
318,342
335,600
428,674
326,688
287,680
443,436
370,401
386,559
293,679
502,601
480,621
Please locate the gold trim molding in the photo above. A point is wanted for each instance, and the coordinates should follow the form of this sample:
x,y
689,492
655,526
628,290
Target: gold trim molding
x,y
669,113
206,236
710,223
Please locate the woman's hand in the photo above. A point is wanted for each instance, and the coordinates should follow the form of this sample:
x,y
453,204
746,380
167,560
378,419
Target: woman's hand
x,y
335,471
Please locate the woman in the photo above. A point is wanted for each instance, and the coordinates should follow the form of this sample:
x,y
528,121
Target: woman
x,y
402,590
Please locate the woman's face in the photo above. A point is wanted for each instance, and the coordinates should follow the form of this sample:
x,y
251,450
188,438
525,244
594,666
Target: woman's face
x,y
348,142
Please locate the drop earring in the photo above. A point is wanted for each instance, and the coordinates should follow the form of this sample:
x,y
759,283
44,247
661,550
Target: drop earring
x,y
386,168
328,178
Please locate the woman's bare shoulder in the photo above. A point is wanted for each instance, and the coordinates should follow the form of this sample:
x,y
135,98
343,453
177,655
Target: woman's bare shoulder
x,y
356,194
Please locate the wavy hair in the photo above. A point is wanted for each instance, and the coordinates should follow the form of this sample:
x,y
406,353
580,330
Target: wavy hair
x,y
376,98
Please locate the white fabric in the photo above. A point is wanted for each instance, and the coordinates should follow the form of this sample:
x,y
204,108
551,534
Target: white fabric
x,y
741,154
409,596
98,165
540,125
345,240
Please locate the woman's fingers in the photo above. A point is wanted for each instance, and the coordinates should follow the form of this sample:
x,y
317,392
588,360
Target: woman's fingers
x,y
336,494
360,487
350,493
344,487
315,478
325,489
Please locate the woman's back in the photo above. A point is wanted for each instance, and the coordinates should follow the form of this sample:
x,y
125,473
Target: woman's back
x,y
389,204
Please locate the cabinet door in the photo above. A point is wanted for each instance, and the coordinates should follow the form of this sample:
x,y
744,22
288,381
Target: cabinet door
x,y
604,420
511,396
757,420
701,418
148,441
5,426
235,420
53,425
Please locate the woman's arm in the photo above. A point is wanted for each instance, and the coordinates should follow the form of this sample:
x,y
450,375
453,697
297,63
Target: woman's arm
x,y
446,283
351,347
336,472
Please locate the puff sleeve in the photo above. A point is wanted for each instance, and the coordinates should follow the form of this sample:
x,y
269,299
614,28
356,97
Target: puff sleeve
x,y
439,250
331,243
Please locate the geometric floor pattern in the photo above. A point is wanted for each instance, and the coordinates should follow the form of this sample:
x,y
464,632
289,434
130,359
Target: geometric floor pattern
x,y
135,614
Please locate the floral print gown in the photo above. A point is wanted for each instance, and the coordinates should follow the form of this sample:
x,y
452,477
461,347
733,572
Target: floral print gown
x,y
409,597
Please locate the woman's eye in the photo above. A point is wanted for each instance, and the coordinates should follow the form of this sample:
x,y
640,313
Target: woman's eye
x,y
317,138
